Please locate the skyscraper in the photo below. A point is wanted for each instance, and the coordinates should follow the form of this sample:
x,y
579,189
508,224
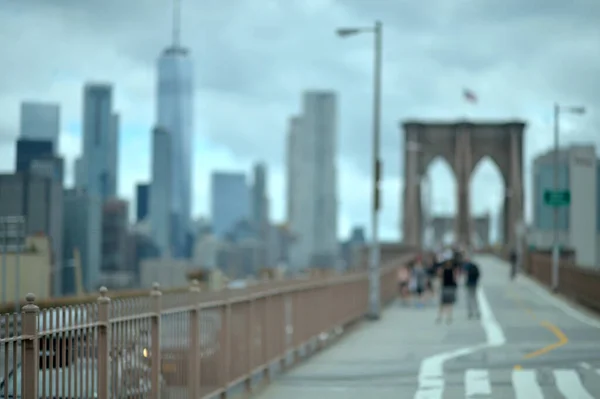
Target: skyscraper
x,y
79,173
51,167
113,154
100,138
314,185
292,164
260,211
577,222
160,196
39,200
29,150
115,216
175,95
230,201
38,141
40,122
82,227
142,200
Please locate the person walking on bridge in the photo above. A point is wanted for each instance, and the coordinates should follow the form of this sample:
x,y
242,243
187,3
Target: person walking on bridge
x,y
403,281
513,264
472,275
420,278
448,277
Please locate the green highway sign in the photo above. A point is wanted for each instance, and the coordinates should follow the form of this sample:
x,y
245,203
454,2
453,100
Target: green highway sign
x,y
557,198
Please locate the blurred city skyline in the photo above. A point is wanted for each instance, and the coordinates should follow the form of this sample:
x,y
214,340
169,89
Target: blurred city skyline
x,y
248,84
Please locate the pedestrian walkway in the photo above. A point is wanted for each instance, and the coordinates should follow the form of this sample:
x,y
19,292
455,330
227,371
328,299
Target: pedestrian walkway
x,y
527,345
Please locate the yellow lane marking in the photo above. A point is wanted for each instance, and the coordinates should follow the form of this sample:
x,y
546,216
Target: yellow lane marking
x,y
562,340
518,367
519,302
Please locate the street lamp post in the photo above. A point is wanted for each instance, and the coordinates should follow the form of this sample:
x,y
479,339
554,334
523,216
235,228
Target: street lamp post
x,y
374,256
555,242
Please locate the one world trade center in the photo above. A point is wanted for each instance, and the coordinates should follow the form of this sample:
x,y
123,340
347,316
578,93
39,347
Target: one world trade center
x,y
171,190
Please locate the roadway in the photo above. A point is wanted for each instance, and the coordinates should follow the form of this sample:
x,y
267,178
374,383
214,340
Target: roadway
x,y
528,344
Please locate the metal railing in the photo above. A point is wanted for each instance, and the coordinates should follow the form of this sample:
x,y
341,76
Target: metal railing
x,y
576,282
179,345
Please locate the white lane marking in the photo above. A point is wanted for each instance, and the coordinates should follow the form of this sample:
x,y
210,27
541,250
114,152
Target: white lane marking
x,y
569,384
526,385
477,382
431,373
598,371
493,331
585,365
566,308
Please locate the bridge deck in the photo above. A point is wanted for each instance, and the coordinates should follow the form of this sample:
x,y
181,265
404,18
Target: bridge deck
x,y
528,344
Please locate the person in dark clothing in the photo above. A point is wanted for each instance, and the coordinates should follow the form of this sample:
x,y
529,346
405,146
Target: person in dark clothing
x,y
448,277
431,271
513,264
473,275
457,261
429,281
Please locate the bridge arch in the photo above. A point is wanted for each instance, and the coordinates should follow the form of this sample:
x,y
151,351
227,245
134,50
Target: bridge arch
x,y
464,144
438,197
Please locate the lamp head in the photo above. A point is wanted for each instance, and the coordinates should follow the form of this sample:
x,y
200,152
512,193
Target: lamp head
x,y
345,32
577,110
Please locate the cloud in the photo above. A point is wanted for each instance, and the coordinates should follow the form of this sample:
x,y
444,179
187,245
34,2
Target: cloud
x,y
252,60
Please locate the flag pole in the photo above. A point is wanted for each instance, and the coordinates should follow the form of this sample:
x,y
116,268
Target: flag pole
x,y
470,98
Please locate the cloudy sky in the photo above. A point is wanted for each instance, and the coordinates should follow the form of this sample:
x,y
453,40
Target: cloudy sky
x,y
253,58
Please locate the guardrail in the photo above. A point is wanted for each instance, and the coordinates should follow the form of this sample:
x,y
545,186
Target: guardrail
x,y
579,283
191,344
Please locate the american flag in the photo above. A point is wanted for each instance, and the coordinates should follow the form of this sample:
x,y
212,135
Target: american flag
x,y
469,96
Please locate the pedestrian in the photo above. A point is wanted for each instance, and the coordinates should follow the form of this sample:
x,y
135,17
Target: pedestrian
x,y
448,277
457,260
473,275
513,264
420,280
403,280
431,273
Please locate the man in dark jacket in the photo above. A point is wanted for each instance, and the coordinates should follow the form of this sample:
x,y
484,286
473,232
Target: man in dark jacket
x,y
458,260
513,264
472,275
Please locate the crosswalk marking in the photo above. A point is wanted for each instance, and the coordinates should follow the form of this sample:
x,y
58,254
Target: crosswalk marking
x,y
585,365
477,382
569,384
526,385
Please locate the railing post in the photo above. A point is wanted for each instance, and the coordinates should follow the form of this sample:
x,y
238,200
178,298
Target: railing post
x,y
103,343
325,322
29,354
156,363
266,344
195,350
282,329
298,325
250,344
225,338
